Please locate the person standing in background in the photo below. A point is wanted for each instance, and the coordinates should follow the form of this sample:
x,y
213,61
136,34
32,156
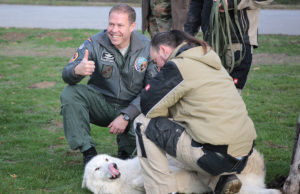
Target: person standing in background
x,y
163,15
235,48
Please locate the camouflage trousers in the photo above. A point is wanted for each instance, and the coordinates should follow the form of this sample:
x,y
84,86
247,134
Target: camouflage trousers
x,y
160,18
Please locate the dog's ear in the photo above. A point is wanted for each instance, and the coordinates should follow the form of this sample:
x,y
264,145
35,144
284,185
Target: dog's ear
x,y
83,185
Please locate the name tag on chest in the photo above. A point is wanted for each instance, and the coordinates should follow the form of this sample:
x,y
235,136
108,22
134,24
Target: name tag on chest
x,y
108,57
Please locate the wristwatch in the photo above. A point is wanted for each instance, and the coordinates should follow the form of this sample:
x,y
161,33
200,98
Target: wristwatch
x,y
126,117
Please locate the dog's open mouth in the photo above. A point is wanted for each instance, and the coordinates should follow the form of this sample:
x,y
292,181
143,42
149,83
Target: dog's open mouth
x,y
114,171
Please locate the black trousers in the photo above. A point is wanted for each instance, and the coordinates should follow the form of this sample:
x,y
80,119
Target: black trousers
x,y
193,20
240,72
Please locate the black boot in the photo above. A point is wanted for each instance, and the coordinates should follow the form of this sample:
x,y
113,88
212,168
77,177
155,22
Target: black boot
x,y
228,184
122,154
88,155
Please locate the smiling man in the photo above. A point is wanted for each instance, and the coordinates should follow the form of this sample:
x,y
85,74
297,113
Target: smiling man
x,y
117,63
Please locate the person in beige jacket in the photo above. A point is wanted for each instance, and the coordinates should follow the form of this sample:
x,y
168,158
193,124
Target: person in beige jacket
x,y
191,111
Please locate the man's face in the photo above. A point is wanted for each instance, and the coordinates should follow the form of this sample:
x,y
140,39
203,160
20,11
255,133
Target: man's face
x,y
119,29
159,57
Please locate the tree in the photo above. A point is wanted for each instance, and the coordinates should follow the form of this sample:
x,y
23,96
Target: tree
x,y
292,183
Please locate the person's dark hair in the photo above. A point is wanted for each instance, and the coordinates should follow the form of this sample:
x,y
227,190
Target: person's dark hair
x,y
125,9
174,38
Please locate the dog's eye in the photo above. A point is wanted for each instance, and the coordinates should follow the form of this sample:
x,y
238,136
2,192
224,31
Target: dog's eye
x,y
106,159
97,168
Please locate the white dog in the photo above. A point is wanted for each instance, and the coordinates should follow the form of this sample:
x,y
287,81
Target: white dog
x,y
108,175
105,174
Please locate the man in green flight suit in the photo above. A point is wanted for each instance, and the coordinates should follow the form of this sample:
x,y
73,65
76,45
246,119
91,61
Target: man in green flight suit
x,y
118,64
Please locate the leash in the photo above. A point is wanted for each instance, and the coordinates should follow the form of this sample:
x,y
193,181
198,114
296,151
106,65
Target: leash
x,y
133,154
220,32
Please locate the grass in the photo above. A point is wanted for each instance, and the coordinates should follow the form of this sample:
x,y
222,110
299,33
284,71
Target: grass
x,y
34,155
288,45
271,98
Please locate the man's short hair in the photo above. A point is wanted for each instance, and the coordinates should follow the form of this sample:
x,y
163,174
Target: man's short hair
x,y
125,9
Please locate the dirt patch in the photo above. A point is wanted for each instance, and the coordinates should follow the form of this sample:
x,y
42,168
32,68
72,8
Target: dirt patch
x,y
72,153
42,85
43,52
54,126
258,59
63,39
14,36
273,145
58,36
58,124
14,66
53,147
270,59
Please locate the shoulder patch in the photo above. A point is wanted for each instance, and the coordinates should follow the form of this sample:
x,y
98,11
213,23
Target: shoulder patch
x,y
75,56
141,64
106,56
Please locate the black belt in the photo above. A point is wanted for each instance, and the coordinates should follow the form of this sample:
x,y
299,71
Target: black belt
x,y
116,101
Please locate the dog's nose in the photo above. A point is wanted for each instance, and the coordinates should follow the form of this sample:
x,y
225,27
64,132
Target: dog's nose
x,y
114,171
115,166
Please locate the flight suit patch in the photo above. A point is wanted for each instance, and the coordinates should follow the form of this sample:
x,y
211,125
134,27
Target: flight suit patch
x,y
141,64
107,71
75,56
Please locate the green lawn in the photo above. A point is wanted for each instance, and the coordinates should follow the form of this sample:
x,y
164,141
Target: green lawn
x,y
34,155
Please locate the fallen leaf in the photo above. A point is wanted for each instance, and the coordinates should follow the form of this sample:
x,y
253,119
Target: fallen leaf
x,y
43,85
14,176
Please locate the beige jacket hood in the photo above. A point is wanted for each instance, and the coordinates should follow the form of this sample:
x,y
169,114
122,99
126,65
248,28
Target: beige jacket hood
x,y
210,58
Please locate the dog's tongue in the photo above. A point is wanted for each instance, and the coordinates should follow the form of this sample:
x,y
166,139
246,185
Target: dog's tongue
x,y
113,171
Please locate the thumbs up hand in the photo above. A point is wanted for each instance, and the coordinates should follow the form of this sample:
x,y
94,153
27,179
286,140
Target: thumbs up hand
x,y
85,67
